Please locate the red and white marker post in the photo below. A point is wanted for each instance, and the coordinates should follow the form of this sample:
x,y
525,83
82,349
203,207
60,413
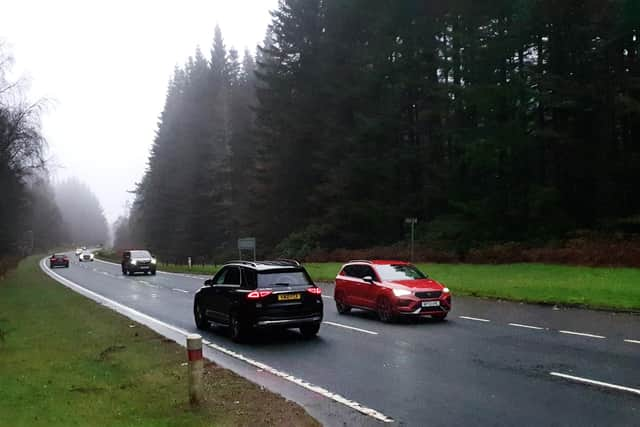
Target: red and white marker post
x,y
196,368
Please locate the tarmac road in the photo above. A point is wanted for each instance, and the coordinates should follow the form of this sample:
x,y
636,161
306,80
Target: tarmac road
x,y
490,363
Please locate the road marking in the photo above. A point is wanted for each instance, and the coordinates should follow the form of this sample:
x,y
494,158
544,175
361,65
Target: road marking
x,y
105,273
180,290
598,383
519,325
582,334
302,383
632,341
128,311
474,318
327,296
148,284
350,327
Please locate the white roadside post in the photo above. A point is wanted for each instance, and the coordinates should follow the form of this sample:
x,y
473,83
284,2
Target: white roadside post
x,y
196,368
189,262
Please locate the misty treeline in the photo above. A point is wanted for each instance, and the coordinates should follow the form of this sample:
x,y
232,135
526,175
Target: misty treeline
x,y
509,120
35,216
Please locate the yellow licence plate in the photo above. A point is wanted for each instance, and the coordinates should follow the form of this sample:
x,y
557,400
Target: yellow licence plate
x,y
288,297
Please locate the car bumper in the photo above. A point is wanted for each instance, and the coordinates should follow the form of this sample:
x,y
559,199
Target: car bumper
x,y
287,323
141,268
414,307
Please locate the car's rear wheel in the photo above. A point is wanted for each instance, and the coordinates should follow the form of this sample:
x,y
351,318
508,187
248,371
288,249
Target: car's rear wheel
x,y
342,307
310,331
237,329
385,310
198,315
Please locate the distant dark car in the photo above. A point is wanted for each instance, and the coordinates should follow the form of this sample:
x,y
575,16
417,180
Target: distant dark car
x,y
58,260
390,288
247,295
138,261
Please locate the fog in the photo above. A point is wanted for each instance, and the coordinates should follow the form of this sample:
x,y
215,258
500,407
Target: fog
x,y
105,67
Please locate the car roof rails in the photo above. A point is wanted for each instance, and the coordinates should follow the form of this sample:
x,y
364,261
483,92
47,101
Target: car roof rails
x,y
289,261
361,260
251,263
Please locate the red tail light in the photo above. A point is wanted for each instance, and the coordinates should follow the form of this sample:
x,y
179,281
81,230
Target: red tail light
x,y
258,294
315,291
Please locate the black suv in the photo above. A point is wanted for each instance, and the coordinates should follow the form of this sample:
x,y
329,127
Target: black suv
x,y
263,294
138,261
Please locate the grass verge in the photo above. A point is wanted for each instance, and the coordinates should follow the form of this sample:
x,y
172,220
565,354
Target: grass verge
x,y
65,361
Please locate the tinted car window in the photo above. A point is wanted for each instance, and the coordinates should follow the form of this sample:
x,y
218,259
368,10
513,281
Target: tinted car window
x,y
248,278
366,270
268,279
350,271
232,277
399,272
219,278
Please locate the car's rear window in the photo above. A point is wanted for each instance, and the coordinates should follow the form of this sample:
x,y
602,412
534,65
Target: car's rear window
x,y
399,272
274,278
140,254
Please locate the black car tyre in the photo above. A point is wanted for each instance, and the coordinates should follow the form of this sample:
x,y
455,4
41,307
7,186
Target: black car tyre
x,y
130,272
237,330
310,331
153,272
385,310
342,307
198,315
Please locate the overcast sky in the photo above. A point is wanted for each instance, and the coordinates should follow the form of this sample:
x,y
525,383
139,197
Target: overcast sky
x,y
105,65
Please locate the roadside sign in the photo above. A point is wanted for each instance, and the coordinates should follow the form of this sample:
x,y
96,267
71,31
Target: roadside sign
x,y
247,244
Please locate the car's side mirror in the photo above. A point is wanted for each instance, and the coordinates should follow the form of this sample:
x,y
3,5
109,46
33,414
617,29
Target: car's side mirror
x,y
208,282
368,279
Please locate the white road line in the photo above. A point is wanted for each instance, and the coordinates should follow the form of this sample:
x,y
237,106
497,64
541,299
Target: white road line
x,y
180,290
148,284
519,325
474,318
132,313
302,383
350,327
632,341
327,296
582,334
594,382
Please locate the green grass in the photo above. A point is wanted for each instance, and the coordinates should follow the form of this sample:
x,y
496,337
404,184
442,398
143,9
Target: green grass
x,y
594,287
65,361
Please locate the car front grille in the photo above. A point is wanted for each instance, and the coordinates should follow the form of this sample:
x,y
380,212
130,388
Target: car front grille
x,y
86,257
429,294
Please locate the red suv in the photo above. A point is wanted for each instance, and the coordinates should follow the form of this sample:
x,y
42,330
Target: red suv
x,y
390,288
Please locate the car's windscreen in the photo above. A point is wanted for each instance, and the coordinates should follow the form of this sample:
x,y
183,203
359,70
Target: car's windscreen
x,y
271,279
140,254
399,272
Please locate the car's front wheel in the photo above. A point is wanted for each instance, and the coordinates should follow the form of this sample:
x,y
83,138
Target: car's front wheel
x,y
153,272
385,310
310,331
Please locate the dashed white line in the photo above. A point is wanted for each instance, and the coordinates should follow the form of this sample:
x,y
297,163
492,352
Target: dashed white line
x,y
327,296
519,325
339,325
148,284
582,334
137,315
632,341
180,290
595,382
474,318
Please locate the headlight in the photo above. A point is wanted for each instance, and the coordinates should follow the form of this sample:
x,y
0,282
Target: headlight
x,y
446,290
401,292
134,262
153,261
